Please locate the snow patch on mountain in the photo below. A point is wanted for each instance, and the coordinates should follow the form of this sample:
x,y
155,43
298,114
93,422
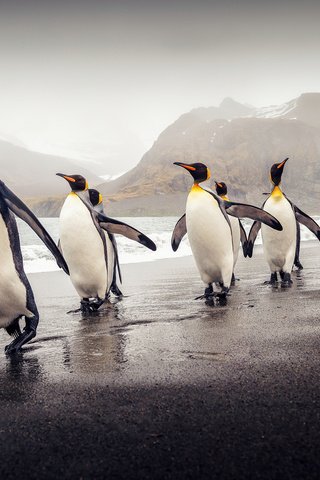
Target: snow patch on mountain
x,y
109,178
274,111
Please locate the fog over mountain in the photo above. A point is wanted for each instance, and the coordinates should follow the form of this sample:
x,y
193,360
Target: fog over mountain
x,y
108,84
238,142
98,81
32,174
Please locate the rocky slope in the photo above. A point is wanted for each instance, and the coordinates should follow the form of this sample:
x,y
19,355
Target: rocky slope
x,y
239,144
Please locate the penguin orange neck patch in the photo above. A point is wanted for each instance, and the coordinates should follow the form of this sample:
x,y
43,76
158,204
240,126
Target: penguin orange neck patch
x,y
195,189
277,193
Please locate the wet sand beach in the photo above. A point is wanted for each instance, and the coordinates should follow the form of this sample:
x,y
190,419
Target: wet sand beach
x,y
161,386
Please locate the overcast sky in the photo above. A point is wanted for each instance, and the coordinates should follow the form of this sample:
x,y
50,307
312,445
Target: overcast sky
x,y
102,77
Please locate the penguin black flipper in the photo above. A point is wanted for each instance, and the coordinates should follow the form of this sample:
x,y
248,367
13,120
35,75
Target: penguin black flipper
x,y
115,226
255,213
297,262
178,233
22,211
307,221
59,246
116,266
243,239
255,227
116,258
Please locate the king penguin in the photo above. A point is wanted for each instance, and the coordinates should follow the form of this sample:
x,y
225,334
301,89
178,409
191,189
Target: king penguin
x,y
112,250
280,248
17,299
237,229
83,243
207,223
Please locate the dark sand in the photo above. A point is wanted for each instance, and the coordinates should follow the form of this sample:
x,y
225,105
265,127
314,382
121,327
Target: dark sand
x,y
162,386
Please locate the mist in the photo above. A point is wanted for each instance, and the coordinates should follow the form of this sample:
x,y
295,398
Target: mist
x,y
98,81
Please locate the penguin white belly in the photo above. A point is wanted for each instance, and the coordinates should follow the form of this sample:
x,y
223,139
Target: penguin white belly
x,y
235,229
83,249
279,246
13,294
210,237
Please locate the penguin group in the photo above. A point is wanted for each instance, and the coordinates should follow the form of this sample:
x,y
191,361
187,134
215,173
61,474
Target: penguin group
x,y
87,248
88,245
214,234
87,251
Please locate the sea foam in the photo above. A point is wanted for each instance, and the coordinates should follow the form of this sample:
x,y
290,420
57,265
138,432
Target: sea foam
x,y
37,258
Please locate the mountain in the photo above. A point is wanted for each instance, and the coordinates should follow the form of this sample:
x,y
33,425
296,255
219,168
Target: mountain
x,y
32,174
239,143
306,108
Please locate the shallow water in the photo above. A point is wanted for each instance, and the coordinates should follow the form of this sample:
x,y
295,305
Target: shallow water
x,y
37,258
159,334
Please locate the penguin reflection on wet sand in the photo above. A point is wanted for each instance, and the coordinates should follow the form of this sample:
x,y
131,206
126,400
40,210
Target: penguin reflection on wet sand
x,y
209,231
112,251
280,248
17,299
237,229
83,243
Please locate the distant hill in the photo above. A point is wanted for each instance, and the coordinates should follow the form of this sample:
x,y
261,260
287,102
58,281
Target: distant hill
x,y
239,143
32,174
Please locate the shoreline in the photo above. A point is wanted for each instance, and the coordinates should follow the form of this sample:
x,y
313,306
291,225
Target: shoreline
x,y
159,385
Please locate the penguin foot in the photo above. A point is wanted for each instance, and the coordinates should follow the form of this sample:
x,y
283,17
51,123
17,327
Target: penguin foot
x,y
29,332
89,306
208,296
298,265
273,279
286,280
210,301
201,297
222,297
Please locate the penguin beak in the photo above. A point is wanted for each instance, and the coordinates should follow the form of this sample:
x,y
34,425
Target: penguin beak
x,y
282,164
66,177
186,166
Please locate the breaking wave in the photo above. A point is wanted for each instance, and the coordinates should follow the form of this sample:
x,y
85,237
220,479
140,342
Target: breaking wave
x,y
37,258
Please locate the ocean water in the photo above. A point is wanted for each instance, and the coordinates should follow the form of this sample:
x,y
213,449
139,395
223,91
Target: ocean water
x,y
37,258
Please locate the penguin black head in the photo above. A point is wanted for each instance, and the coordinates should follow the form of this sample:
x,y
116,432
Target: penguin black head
x,y
221,188
199,171
77,182
95,196
276,172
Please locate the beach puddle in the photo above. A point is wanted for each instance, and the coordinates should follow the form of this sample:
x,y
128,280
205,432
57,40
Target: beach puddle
x,y
210,356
